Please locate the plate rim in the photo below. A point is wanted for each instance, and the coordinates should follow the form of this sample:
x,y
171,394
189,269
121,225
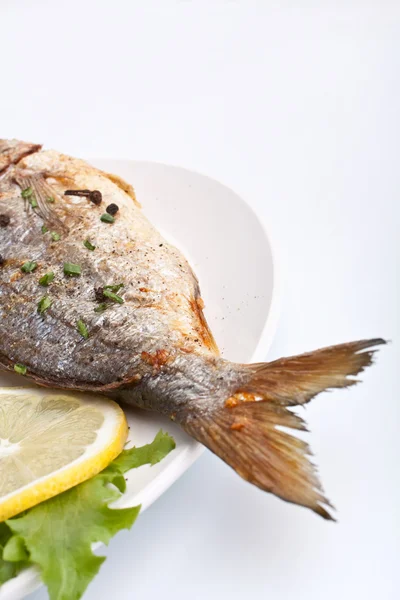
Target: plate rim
x,y
272,320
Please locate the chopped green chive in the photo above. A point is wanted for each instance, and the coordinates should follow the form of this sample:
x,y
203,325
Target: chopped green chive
x,y
44,229
114,288
29,266
21,369
113,296
27,192
71,269
50,199
55,236
106,218
46,279
88,245
44,304
83,330
33,202
101,307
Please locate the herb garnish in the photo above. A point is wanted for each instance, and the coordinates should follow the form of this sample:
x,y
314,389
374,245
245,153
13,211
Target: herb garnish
x,y
44,304
29,266
101,307
50,199
44,229
55,236
27,192
113,296
71,269
88,245
20,369
106,218
114,288
46,279
83,330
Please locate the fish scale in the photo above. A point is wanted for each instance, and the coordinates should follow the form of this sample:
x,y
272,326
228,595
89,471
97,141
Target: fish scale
x,y
151,347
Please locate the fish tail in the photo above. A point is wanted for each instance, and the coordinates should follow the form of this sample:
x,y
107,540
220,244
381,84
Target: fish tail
x,y
250,431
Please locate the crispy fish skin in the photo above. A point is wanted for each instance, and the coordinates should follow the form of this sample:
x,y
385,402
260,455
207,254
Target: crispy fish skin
x,y
155,349
160,291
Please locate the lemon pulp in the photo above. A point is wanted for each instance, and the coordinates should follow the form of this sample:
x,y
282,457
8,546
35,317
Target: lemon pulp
x,y
51,441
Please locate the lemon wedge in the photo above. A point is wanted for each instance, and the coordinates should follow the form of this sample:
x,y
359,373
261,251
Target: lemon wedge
x,y
51,441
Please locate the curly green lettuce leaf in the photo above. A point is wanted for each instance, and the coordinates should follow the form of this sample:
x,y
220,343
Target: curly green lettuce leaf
x,y
57,535
8,569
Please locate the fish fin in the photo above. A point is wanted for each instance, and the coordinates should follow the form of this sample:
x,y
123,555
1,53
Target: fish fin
x,y
42,191
297,379
247,437
123,185
250,434
202,327
12,151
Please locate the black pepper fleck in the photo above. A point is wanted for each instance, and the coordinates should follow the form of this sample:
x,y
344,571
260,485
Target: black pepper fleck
x,y
112,209
4,220
2,260
99,295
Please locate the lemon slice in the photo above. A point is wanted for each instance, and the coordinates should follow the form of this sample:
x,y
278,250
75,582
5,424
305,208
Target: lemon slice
x,y
51,441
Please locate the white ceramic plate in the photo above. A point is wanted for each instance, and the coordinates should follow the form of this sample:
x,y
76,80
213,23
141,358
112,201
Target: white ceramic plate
x,y
232,256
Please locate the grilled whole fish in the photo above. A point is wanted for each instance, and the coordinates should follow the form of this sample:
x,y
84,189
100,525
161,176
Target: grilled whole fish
x,y
104,303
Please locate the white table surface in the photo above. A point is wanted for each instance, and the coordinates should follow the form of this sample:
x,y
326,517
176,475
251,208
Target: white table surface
x,y
296,107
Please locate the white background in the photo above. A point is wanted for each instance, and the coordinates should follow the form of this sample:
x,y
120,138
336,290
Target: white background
x,y
295,105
